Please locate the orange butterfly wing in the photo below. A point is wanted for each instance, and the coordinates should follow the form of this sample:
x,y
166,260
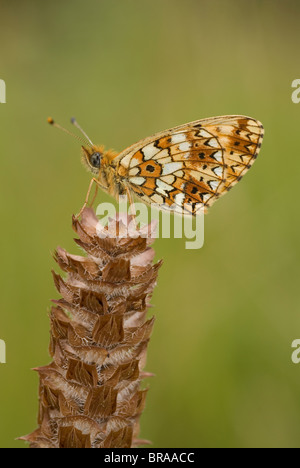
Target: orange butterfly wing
x,y
189,167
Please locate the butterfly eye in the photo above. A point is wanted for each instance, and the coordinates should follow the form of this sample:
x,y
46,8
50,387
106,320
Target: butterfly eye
x,y
95,160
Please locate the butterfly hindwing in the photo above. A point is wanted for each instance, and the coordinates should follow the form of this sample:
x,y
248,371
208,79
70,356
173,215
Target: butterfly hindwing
x,y
192,165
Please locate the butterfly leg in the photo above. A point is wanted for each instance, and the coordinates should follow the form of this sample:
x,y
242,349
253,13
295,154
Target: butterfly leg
x,y
132,207
95,194
94,180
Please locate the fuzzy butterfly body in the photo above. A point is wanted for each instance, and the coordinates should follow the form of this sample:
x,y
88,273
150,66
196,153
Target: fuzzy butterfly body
x,y
184,169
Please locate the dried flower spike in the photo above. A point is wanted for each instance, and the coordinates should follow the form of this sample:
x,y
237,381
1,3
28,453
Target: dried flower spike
x,y
90,395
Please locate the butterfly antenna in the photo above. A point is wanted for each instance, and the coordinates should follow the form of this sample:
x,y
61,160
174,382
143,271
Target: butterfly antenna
x,y
74,122
54,124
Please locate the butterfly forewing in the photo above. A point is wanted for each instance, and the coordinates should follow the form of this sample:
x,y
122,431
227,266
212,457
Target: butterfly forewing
x,y
189,167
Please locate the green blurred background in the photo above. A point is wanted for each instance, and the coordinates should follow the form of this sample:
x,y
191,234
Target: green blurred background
x,y
226,314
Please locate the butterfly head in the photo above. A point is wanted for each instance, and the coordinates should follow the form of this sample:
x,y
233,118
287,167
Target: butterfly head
x,y
92,157
91,154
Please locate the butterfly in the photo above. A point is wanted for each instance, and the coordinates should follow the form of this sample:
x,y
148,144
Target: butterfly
x,y
184,169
